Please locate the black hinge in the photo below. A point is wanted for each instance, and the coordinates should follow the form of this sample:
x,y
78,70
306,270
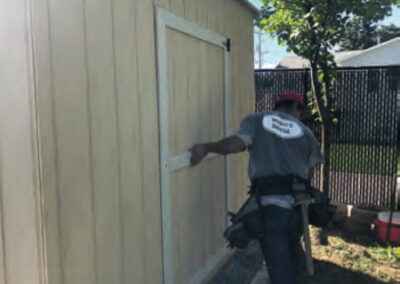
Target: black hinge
x,y
227,44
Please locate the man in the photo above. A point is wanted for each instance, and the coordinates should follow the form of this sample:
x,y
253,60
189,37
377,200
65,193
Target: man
x,y
282,150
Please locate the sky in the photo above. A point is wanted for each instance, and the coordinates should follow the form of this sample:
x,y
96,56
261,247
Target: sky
x,y
273,52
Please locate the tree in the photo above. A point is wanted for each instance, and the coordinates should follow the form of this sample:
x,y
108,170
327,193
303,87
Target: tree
x,y
359,34
311,29
362,34
388,32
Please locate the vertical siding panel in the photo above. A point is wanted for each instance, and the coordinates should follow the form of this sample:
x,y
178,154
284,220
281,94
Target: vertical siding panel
x,y
204,10
45,109
233,28
205,118
246,96
216,197
3,268
195,109
163,3
104,140
18,179
73,141
227,21
149,135
236,90
241,91
246,99
178,7
213,10
192,11
177,124
131,206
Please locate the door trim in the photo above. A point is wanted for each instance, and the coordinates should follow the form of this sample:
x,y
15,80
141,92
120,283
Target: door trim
x,y
164,20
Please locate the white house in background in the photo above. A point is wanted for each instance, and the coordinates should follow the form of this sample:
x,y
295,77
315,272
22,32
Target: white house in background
x,y
387,53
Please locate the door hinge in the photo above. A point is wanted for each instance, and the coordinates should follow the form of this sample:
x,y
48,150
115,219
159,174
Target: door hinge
x,y
227,44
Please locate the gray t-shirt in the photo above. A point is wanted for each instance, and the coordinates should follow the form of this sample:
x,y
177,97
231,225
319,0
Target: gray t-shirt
x,y
279,144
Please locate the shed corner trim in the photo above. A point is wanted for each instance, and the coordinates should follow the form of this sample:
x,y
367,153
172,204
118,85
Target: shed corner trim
x,y
254,8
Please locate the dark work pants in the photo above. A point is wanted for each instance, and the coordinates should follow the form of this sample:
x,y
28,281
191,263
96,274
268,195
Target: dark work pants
x,y
280,243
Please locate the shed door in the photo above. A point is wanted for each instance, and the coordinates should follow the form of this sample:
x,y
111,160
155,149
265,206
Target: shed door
x,y
193,65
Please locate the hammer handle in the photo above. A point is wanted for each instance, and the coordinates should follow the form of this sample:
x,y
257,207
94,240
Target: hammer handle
x,y
307,240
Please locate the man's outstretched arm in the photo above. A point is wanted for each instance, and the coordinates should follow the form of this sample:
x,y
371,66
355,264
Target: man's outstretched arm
x,y
230,145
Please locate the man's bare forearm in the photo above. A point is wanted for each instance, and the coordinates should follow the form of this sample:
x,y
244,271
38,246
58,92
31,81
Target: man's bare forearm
x,y
229,145
225,146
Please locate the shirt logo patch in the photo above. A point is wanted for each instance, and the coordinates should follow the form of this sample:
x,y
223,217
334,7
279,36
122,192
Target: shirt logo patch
x,y
281,127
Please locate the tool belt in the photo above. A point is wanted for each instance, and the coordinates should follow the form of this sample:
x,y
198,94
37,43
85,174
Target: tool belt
x,y
248,223
279,185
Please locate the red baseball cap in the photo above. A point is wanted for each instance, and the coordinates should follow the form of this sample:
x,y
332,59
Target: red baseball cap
x,y
290,96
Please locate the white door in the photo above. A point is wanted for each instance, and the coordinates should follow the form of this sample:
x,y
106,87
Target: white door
x,y
193,77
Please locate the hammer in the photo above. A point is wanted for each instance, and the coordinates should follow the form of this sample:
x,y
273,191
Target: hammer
x,y
304,202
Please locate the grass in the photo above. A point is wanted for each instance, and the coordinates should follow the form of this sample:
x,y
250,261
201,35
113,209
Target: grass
x,y
354,260
364,159
390,255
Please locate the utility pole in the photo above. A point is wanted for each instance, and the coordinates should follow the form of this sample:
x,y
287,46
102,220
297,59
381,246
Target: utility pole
x,y
260,54
259,50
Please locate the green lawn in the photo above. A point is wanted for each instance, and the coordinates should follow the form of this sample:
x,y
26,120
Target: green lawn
x,y
353,259
364,159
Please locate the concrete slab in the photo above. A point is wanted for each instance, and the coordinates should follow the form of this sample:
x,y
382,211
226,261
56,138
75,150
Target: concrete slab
x,y
241,268
261,277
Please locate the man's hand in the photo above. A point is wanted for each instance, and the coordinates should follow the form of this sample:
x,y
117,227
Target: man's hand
x,y
199,152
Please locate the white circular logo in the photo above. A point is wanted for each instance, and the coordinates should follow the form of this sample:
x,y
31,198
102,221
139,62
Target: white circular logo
x,y
281,127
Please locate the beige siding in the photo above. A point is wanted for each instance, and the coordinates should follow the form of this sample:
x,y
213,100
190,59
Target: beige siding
x,y
104,141
130,149
96,88
21,247
196,113
232,19
97,111
149,140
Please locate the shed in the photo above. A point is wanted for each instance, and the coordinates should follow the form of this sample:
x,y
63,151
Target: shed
x,y
100,100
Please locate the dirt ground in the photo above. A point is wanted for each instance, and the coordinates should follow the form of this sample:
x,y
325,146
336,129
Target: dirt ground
x,y
352,256
353,259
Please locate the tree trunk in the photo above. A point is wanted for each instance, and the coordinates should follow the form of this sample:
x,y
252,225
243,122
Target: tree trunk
x,y
326,149
325,145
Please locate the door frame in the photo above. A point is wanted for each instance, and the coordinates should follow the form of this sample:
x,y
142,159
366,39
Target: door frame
x,y
164,20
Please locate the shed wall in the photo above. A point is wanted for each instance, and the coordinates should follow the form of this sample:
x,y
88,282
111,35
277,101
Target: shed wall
x,y
97,113
234,20
21,242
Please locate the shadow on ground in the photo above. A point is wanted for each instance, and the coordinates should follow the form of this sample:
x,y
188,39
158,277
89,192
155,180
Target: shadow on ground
x,y
364,238
355,229
329,273
242,267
